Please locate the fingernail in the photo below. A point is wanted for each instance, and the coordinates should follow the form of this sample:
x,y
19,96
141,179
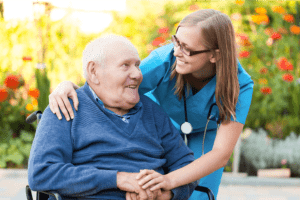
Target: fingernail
x,y
59,118
72,117
68,119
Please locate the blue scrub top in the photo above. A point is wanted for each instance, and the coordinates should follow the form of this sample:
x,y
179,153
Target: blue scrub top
x,y
156,84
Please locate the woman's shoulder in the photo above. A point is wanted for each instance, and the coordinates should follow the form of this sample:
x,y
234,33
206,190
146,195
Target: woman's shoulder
x,y
243,76
162,54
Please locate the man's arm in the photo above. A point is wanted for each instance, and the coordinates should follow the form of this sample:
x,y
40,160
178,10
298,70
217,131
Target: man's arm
x,y
178,155
50,163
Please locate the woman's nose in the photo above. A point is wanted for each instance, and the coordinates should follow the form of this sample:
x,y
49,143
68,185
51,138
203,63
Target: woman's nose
x,y
136,73
177,51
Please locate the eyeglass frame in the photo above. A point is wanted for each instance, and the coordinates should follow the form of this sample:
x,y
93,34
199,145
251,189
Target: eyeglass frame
x,y
181,48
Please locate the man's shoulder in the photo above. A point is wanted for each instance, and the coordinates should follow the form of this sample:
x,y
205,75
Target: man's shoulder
x,y
149,104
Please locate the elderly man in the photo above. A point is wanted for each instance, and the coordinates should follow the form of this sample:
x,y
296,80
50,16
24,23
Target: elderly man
x,y
114,134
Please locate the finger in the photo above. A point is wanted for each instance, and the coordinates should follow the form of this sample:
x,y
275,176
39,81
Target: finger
x,y
159,193
128,197
74,97
148,178
143,173
55,108
50,104
133,196
143,195
68,106
158,186
150,194
62,107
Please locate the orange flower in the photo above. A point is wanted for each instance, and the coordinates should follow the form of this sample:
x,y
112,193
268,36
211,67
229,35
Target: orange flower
x,y
243,39
34,102
3,94
278,9
260,10
260,19
295,29
287,77
269,31
276,36
244,54
194,7
163,30
239,2
29,107
266,90
27,58
263,70
289,18
12,81
35,93
157,41
282,30
284,65
263,81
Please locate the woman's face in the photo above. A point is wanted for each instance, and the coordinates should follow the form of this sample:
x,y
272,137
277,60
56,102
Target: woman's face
x,y
199,65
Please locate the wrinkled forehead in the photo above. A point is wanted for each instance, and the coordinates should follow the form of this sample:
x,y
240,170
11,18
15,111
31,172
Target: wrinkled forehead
x,y
121,50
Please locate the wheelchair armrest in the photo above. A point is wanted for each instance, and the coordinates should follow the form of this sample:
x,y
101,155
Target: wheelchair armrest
x,y
29,194
207,191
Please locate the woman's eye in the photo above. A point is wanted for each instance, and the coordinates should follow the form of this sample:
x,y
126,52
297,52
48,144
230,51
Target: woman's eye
x,y
126,64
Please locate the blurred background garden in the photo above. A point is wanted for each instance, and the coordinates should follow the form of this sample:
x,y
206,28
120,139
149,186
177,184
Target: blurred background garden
x,y
41,45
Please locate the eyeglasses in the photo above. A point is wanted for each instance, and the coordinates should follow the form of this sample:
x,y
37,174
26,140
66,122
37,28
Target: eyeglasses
x,y
184,50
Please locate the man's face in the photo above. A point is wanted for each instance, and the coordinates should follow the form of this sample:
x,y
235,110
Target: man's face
x,y
120,76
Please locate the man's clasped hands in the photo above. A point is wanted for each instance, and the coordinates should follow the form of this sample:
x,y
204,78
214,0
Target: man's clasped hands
x,y
146,185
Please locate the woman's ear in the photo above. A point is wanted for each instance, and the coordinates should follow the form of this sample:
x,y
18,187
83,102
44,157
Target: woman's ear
x,y
92,72
215,56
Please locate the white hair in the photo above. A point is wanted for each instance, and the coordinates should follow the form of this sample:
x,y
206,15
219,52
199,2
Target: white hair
x,y
95,50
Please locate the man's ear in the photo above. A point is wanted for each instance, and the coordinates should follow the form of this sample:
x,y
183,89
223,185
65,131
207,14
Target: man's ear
x,y
215,56
92,72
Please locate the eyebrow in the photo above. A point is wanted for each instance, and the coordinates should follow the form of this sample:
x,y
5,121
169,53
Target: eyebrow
x,y
130,60
182,43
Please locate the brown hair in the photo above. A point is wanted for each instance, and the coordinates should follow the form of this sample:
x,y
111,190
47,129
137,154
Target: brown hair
x,y
218,33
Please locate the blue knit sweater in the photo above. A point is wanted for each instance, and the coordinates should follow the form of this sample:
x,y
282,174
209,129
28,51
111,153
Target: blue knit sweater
x,y
80,158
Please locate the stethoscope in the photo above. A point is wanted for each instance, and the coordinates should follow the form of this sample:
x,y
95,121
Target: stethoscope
x,y
187,128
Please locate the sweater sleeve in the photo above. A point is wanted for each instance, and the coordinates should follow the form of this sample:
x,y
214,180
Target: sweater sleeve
x,y
178,155
50,165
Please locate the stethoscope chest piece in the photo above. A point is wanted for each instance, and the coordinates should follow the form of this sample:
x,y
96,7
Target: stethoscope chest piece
x,y
186,128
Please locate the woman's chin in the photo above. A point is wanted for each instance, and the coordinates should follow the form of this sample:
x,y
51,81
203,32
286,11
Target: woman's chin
x,y
181,70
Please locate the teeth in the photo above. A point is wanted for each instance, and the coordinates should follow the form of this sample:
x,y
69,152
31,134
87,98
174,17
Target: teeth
x,y
133,87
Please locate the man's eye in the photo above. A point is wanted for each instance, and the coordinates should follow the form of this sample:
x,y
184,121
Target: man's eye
x,y
126,64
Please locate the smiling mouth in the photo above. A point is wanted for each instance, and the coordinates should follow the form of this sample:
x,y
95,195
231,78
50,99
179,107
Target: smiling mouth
x,y
132,86
181,62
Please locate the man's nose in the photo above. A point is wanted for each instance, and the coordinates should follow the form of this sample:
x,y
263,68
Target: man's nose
x,y
136,73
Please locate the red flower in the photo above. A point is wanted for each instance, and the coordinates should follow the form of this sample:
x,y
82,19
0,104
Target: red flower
x,y
244,54
276,36
263,70
288,77
194,7
12,81
157,41
266,90
163,30
3,94
35,93
285,65
27,58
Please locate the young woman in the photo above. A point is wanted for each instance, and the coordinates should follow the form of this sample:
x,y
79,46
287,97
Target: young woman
x,y
198,81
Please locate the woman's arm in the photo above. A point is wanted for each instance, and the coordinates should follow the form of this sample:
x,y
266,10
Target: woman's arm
x,y
58,99
218,157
